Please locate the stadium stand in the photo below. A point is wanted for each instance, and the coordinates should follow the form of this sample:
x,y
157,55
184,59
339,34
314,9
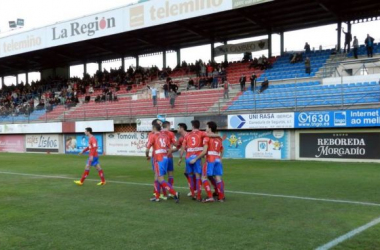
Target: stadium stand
x,y
363,51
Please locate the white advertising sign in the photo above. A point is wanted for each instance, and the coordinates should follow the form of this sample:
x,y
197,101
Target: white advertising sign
x,y
33,128
23,42
130,144
86,28
42,143
97,126
261,121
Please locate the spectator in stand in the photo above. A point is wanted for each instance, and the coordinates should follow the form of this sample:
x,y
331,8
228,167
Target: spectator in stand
x,y
190,83
91,90
209,70
253,81
203,70
347,41
369,44
264,85
154,95
166,89
307,66
202,82
215,79
172,96
355,45
242,81
307,48
226,87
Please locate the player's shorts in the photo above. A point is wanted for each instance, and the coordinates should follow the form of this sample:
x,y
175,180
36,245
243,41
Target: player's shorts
x,y
193,168
213,168
161,167
94,163
170,164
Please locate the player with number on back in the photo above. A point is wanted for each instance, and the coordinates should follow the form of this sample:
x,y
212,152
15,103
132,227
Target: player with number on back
x,y
93,159
213,148
161,149
172,140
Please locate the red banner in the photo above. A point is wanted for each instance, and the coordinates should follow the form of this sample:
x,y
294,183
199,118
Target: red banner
x,y
12,143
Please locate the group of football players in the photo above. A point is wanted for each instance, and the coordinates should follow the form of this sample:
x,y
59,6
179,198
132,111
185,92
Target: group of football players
x,y
196,145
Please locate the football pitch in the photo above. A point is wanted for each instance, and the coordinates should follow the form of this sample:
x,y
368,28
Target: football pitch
x,y
269,205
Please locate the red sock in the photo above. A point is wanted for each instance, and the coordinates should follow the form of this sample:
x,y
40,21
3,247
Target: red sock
x,y
84,176
157,189
163,190
101,175
169,188
207,187
220,186
213,183
171,181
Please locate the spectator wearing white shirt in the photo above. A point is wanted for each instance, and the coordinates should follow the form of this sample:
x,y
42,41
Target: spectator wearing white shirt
x,y
154,95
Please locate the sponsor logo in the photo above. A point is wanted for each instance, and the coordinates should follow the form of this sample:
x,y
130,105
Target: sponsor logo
x,y
136,15
262,146
340,118
237,121
111,136
28,42
88,29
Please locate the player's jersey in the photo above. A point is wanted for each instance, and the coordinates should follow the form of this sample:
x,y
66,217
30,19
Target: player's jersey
x,y
215,148
92,147
150,137
172,140
193,143
160,143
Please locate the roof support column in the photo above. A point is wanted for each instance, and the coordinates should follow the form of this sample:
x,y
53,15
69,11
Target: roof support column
x,y
2,82
26,77
339,30
178,57
225,54
100,65
137,61
85,68
212,51
123,63
282,42
164,59
17,79
269,44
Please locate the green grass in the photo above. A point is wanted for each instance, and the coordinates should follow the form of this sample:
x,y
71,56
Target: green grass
x,y
52,213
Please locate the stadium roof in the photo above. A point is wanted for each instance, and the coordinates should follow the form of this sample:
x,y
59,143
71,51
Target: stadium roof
x,y
255,20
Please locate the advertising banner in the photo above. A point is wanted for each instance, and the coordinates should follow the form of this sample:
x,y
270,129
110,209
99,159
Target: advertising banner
x,y
268,144
129,144
75,143
12,143
241,47
261,121
145,124
97,126
42,143
338,119
339,145
32,128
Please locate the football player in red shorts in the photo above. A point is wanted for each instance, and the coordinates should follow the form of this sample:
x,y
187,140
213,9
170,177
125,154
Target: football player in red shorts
x,y
93,159
161,148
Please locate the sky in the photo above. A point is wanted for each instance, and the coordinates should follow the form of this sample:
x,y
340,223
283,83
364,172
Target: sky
x,y
39,13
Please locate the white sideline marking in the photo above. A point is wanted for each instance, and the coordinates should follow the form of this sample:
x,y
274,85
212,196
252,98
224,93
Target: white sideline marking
x,y
349,235
227,191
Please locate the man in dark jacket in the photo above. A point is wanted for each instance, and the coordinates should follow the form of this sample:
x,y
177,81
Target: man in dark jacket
x,y
253,82
347,41
242,81
369,44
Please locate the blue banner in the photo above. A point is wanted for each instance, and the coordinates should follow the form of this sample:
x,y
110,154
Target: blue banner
x,y
338,119
266,144
74,144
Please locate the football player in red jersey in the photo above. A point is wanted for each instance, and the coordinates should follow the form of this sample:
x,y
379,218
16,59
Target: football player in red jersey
x,y
161,148
172,138
93,159
213,148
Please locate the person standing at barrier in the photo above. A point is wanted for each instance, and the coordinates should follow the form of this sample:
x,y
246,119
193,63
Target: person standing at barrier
x,y
369,45
93,159
253,81
242,81
355,45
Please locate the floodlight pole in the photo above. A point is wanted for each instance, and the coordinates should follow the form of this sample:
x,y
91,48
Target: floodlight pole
x,y
282,42
212,51
123,63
